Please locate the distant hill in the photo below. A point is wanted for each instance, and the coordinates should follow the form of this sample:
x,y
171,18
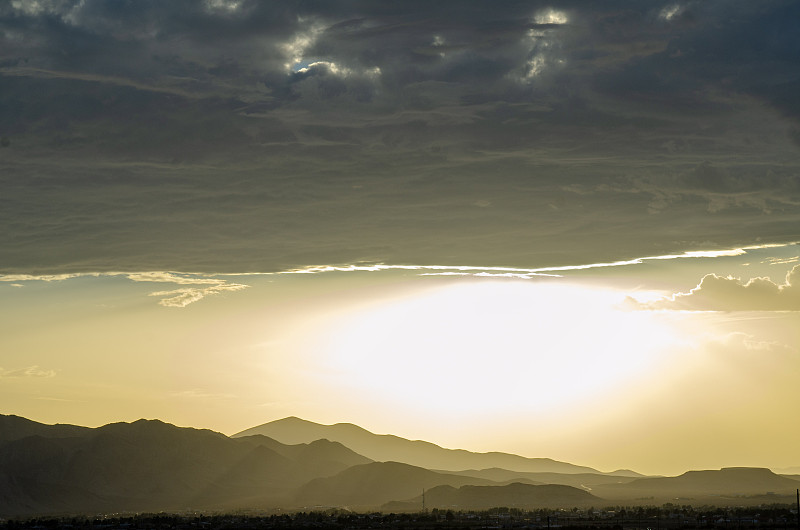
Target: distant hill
x,y
624,473
371,485
516,495
731,481
151,465
578,480
319,458
387,447
16,427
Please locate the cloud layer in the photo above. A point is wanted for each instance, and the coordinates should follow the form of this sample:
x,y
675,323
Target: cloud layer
x,y
244,136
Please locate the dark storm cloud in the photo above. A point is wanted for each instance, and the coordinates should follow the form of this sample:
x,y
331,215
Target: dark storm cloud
x,y
242,135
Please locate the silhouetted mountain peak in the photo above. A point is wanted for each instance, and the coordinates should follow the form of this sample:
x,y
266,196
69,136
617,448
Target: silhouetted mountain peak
x,y
384,447
151,465
351,427
293,421
624,473
156,429
14,427
145,420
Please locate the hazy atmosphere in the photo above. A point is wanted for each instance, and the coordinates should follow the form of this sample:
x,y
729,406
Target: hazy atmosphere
x,y
565,229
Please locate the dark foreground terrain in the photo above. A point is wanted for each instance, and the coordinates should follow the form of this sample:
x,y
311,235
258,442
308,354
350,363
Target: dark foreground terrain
x,y
612,518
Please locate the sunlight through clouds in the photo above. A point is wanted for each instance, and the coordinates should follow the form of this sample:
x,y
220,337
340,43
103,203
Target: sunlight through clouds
x,y
296,48
551,16
225,6
543,43
671,11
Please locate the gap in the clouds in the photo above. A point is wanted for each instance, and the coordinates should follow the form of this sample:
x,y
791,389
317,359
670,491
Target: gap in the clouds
x,y
301,65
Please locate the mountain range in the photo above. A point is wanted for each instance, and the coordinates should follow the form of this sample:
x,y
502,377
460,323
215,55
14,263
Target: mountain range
x,y
149,465
383,447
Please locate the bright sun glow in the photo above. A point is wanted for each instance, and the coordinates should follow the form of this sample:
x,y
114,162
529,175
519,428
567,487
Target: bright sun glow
x,y
479,347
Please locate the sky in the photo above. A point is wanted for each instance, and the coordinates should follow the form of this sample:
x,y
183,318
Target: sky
x,y
562,229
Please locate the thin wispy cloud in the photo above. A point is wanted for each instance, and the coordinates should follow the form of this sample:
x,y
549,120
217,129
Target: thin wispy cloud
x,y
33,371
194,288
782,261
200,394
189,295
523,273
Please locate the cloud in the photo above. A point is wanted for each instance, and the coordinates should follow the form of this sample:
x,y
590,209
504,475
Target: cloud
x,y
198,286
172,277
41,278
185,295
717,293
188,295
227,44
196,393
781,261
519,273
235,135
671,11
31,371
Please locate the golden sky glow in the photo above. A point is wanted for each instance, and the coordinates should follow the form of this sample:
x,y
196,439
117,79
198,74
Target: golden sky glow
x,y
583,366
483,347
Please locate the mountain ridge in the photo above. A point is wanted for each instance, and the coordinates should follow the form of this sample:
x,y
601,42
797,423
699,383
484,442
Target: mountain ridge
x,y
152,465
388,447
